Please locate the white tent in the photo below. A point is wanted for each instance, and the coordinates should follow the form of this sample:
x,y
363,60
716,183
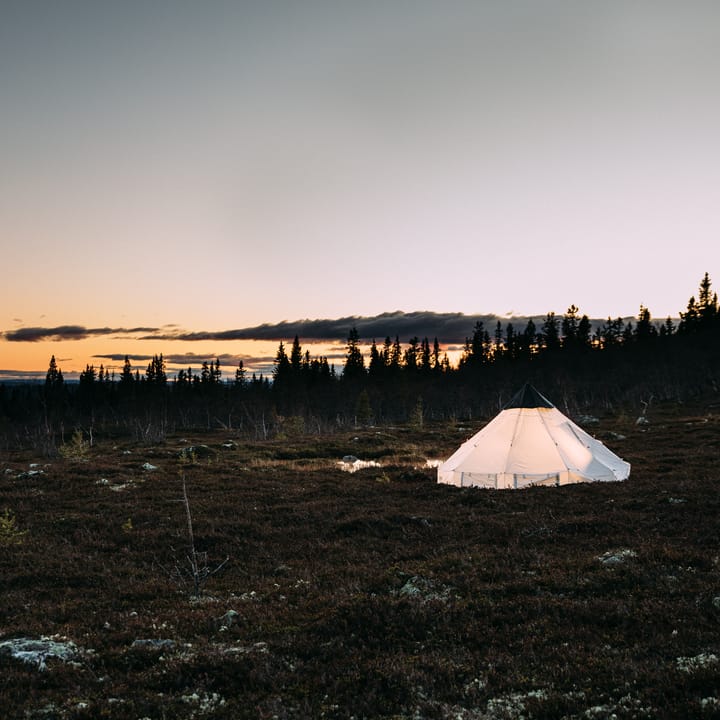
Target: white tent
x,y
531,443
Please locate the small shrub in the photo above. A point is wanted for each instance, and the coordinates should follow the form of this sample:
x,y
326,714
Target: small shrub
x,y
10,534
77,449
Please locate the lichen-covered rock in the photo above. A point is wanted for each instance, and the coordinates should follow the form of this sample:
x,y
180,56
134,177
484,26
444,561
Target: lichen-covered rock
x,y
617,557
36,651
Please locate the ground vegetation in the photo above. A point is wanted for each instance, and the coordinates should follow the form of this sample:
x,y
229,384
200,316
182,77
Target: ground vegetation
x,y
344,582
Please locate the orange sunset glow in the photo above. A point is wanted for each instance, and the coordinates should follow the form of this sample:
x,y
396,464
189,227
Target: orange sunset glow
x,y
208,169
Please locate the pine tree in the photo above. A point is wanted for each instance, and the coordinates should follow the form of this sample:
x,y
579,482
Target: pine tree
x,y
570,327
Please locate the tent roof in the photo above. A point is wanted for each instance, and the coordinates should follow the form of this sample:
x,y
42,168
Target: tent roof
x,y
528,397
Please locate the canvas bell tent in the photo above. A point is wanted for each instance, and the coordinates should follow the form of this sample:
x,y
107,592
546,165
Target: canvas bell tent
x,y
531,443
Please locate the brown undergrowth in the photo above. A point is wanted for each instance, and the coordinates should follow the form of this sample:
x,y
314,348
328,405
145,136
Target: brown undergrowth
x,y
373,594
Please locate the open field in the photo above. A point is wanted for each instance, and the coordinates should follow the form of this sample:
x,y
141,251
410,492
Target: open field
x,y
373,594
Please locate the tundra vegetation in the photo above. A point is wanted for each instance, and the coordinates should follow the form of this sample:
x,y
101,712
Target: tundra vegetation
x,y
158,563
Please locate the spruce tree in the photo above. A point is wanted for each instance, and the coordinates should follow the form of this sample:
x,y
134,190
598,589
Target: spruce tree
x,y
281,369
126,376
645,330
511,342
54,376
707,302
528,339
550,332
425,356
376,365
436,356
395,355
354,360
240,375
296,357
155,373
411,356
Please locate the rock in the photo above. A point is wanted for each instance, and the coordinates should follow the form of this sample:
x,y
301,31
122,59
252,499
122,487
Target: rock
x,y
616,557
423,589
698,662
29,474
227,620
153,644
197,451
37,651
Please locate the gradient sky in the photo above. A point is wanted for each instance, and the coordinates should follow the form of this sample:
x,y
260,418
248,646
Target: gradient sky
x,y
224,164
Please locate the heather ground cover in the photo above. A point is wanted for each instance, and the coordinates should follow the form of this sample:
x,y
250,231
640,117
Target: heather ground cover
x,y
369,594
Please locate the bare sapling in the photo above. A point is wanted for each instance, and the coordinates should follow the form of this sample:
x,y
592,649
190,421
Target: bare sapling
x,y
197,568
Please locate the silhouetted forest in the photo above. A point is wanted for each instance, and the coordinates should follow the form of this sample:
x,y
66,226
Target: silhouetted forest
x,y
581,368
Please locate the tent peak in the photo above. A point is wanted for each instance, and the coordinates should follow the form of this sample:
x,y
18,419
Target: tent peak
x,y
528,397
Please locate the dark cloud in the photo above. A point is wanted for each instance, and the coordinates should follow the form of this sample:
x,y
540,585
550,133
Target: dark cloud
x,y
17,374
67,332
184,360
447,327
120,357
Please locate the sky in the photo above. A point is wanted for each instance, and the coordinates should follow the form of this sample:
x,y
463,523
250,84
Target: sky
x,y
182,167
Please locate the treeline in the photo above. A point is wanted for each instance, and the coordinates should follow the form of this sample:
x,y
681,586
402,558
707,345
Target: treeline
x,y
581,368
